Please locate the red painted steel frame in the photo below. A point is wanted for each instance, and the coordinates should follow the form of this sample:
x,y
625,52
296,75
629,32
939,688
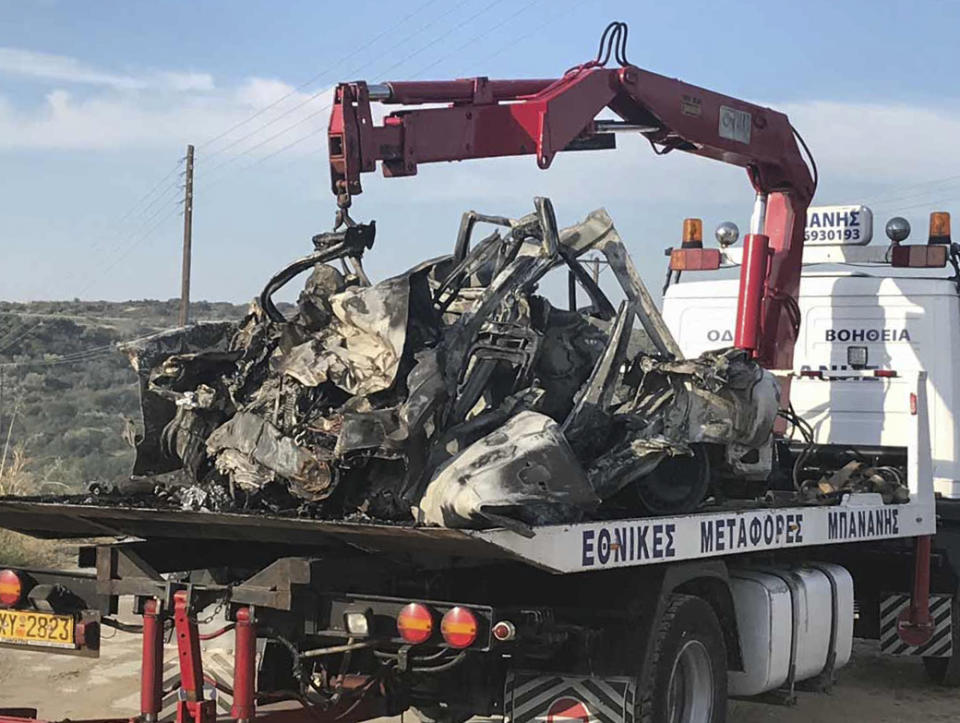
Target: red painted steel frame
x,y
491,118
915,624
192,708
244,666
753,273
16,719
151,666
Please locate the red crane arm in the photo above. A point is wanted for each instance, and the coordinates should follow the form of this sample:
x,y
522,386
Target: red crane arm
x,y
482,118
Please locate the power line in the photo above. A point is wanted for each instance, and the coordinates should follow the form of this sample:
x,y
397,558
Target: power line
x,y
948,180
321,92
924,204
506,20
87,355
120,241
152,198
131,244
84,355
7,342
893,200
156,198
386,31
326,107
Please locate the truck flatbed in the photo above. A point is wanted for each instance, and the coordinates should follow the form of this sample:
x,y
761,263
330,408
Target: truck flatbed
x,y
565,548
557,548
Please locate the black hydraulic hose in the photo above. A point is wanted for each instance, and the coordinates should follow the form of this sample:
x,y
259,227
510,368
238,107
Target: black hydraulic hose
x,y
443,666
122,627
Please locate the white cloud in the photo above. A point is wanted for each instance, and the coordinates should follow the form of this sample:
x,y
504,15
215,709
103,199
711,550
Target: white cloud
x,y
878,141
857,146
131,120
184,81
62,68
31,64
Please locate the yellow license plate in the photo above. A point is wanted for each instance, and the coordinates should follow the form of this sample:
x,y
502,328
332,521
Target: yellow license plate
x,y
26,627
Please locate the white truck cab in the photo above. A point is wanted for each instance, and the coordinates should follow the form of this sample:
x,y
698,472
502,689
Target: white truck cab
x,y
858,313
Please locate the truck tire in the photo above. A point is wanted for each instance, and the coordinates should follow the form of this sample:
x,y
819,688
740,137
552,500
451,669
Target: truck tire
x,y
946,671
677,485
439,714
687,678
943,671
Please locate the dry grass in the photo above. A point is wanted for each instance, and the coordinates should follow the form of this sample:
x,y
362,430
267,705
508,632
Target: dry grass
x,y
20,550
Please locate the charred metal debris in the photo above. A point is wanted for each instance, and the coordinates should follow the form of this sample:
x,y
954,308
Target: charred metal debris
x,y
452,394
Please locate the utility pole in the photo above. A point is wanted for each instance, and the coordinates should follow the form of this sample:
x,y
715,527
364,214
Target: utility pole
x,y
187,240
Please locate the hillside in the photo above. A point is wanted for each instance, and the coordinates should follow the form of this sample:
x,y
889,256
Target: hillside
x,y
66,393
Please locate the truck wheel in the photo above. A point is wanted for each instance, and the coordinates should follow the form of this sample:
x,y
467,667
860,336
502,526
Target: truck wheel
x,y
439,714
687,678
946,671
677,485
943,671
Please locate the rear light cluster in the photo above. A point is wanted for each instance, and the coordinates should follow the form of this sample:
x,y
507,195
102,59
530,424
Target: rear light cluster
x,y
415,623
11,588
918,256
458,626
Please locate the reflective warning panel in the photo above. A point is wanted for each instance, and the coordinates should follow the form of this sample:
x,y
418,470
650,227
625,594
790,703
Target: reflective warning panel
x,y
940,644
533,696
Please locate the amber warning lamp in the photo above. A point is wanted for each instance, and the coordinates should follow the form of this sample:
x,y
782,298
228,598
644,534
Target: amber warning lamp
x,y
939,228
692,233
692,256
933,254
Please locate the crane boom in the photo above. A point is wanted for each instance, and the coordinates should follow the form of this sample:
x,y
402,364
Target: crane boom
x,y
483,118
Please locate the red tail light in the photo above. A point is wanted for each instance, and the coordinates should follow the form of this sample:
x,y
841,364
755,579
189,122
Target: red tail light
x,y
459,627
11,588
415,623
504,631
887,373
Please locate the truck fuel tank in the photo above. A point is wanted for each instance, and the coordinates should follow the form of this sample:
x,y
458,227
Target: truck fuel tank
x,y
801,612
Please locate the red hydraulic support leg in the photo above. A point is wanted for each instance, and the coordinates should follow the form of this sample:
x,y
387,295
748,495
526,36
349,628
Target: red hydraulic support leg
x,y
191,708
915,624
151,668
244,667
753,273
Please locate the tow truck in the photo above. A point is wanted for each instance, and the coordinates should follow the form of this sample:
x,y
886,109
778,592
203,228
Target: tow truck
x,y
868,308
648,619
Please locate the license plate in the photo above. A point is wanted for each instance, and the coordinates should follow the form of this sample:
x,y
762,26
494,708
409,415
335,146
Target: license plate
x,y
23,627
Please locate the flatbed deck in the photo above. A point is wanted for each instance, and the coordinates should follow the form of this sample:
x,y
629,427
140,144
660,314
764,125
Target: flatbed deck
x,y
565,548
557,548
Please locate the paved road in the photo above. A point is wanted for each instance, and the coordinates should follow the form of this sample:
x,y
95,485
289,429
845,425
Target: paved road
x,y
872,688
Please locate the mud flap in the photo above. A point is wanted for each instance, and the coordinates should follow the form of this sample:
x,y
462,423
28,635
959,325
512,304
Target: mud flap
x,y
534,696
940,644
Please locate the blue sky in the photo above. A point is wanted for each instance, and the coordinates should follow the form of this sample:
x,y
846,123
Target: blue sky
x,y
98,99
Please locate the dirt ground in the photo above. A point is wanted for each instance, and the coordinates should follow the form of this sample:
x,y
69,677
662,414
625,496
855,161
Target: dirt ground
x,y
872,688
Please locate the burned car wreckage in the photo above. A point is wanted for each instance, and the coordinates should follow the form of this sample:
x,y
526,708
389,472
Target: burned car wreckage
x,y
452,394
